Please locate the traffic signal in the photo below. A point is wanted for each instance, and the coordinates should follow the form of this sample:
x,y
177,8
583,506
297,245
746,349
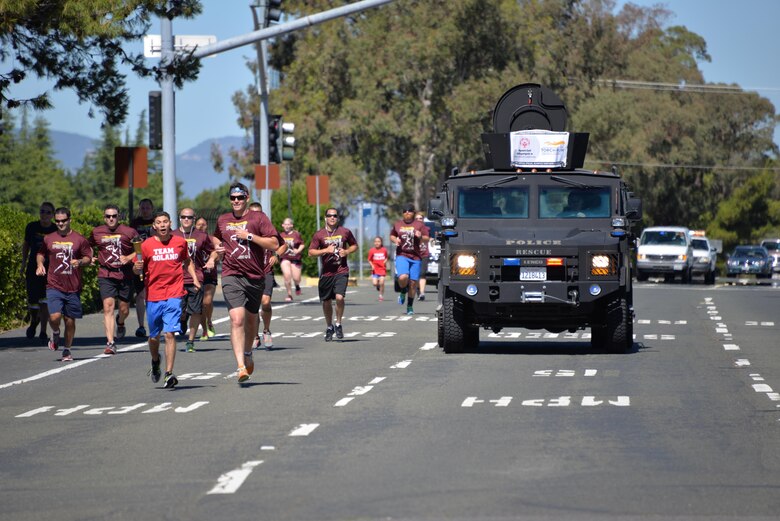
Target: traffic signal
x,y
274,139
256,140
288,141
155,120
272,11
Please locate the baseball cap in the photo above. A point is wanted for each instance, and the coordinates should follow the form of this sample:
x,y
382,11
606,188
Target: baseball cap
x,y
409,207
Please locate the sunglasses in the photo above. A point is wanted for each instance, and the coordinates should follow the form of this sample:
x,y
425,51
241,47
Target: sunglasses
x,y
331,215
186,217
237,197
110,215
61,221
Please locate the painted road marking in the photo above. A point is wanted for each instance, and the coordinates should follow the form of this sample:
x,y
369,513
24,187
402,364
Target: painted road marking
x,y
304,429
561,401
111,409
401,365
231,481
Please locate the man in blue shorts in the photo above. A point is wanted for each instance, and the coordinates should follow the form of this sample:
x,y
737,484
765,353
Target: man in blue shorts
x,y
407,235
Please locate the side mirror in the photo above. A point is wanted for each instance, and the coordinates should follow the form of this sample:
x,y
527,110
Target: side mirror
x,y
436,208
634,208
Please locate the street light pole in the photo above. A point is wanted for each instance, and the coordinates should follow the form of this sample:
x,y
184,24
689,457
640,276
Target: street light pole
x,y
168,123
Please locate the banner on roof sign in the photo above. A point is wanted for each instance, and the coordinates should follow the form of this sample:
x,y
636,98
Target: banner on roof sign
x,y
539,148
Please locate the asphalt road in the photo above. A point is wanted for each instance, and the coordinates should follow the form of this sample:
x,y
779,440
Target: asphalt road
x,y
384,425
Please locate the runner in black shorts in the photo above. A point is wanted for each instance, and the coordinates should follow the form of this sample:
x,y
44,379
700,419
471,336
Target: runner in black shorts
x,y
36,285
333,243
266,311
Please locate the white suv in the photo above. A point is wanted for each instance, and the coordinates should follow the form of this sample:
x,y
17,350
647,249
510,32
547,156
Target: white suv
x,y
705,256
773,247
665,250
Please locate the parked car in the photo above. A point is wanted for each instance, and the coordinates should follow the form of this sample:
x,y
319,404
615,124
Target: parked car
x,y
704,258
773,247
664,250
749,260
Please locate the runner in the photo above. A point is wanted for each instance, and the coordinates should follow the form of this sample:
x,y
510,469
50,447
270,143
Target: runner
x,y
210,280
333,243
266,312
241,237
423,257
292,261
164,257
200,247
407,235
67,252
377,257
115,276
143,225
36,285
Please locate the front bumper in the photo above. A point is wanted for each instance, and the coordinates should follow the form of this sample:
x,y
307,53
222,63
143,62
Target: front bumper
x,y
661,266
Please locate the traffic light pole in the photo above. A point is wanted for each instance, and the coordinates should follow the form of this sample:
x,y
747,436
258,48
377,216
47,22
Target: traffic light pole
x,y
262,91
166,84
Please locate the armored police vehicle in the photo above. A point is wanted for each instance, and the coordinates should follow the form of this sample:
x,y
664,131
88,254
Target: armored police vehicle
x,y
535,241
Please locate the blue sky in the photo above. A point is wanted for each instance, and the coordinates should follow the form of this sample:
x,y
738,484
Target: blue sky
x,y
741,37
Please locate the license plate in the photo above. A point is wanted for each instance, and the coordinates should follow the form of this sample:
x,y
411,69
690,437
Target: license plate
x,y
533,273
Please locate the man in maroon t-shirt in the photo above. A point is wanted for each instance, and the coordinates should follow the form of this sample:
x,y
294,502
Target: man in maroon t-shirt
x,y
115,276
333,243
164,259
200,247
143,224
407,234
241,238
266,311
67,251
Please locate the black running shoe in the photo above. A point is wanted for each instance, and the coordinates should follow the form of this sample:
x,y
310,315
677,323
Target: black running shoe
x,y
329,334
154,373
141,332
339,332
121,330
170,381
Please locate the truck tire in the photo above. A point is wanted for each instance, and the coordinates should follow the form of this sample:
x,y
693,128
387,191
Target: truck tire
x,y
619,327
439,329
453,324
709,278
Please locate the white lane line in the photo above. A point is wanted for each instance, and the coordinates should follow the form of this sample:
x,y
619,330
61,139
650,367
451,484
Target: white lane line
x,y
72,365
742,362
343,402
731,347
428,346
762,388
304,429
401,365
231,481
377,380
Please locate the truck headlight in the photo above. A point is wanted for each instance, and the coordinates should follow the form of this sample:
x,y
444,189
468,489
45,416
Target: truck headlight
x,y
464,264
641,256
602,264
682,257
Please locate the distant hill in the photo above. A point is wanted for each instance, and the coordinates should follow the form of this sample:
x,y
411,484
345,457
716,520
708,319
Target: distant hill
x,y
193,167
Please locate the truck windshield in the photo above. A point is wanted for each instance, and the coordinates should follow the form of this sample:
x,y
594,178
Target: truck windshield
x,y
493,203
571,202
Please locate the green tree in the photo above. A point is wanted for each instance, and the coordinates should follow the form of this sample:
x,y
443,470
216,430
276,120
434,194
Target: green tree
x,y
750,214
30,174
79,43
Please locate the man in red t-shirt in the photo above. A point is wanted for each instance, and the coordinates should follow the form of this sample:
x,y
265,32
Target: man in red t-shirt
x,y
66,251
241,238
114,243
333,243
164,258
